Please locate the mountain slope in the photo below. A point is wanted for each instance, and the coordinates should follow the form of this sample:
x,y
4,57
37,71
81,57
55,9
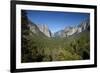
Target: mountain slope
x,y
34,29
39,29
44,29
68,31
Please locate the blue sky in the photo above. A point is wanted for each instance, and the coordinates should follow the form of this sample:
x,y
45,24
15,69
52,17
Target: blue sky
x,y
56,20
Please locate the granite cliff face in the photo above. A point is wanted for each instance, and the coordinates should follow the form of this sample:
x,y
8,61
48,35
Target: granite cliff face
x,y
39,29
44,29
67,31
33,27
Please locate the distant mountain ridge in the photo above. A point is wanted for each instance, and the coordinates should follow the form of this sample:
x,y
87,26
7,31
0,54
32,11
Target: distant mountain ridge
x,y
67,31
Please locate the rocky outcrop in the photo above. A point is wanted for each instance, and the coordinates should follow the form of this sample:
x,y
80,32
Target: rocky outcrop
x,y
39,29
44,29
33,27
85,25
67,31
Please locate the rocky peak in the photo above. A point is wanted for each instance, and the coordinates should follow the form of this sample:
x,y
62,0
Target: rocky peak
x,y
44,29
67,31
37,28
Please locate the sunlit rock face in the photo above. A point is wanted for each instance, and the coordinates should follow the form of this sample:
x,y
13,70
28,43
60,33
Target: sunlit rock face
x,y
37,29
67,31
33,27
44,29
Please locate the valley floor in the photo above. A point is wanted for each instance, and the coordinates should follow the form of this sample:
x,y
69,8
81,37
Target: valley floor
x,y
41,49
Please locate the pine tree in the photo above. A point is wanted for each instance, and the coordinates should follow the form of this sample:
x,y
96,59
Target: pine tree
x,y
25,53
